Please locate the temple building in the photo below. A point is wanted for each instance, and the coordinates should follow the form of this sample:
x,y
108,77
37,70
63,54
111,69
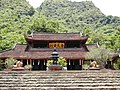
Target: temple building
x,y
40,46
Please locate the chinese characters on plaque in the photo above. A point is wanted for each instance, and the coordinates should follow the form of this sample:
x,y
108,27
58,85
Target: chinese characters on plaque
x,y
56,45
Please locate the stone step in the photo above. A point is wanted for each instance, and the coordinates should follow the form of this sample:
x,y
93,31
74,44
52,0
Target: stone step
x,y
63,88
54,82
66,80
60,79
47,82
69,75
55,72
60,74
52,72
30,74
61,85
49,77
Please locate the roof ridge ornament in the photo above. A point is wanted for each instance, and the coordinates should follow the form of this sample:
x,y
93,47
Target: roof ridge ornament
x,y
32,32
98,44
81,34
14,46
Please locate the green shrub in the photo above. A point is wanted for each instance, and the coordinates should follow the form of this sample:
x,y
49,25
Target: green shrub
x,y
28,67
1,65
61,61
49,62
9,62
116,65
85,66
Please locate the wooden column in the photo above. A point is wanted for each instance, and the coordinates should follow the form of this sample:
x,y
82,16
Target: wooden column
x,y
68,62
33,62
30,64
44,62
27,61
38,62
22,62
80,62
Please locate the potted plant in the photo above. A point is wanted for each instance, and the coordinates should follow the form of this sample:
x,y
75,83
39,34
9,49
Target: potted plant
x,y
85,66
61,61
28,67
49,62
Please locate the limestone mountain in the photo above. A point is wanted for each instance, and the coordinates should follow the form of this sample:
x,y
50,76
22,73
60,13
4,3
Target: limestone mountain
x,y
84,17
76,15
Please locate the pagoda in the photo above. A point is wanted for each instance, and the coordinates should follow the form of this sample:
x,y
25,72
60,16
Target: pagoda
x,y
39,47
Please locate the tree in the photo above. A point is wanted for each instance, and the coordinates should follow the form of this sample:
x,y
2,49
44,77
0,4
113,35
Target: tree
x,y
15,18
42,24
101,55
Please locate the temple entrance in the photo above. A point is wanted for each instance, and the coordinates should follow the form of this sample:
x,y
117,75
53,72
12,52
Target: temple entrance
x,y
38,65
74,65
42,64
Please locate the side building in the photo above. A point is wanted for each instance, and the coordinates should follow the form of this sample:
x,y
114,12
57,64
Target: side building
x,y
40,46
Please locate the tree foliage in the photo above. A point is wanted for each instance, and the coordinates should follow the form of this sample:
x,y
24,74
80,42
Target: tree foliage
x,y
15,18
86,18
42,24
18,17
117,64
101,55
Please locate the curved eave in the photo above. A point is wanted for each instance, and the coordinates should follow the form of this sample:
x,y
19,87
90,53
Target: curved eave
x,y
70,55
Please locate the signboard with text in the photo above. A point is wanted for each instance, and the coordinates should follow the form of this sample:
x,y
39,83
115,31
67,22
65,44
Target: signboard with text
x,y
56,45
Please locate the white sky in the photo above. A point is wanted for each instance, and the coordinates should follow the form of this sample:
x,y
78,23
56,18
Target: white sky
x,y
108,7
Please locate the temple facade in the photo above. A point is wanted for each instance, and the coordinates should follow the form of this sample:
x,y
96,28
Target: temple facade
x,y
40,46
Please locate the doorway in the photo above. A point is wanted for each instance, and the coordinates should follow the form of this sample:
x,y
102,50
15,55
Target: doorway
x,y
39,65
74,65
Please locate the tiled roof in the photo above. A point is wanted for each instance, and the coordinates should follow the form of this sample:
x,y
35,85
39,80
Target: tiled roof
x,y
20,53
91,46
56,37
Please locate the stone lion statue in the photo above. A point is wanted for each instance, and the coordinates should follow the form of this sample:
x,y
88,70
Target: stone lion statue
x,y
94,64
18,64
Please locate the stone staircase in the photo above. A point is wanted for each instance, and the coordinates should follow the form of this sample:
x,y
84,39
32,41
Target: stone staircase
x,y
60,80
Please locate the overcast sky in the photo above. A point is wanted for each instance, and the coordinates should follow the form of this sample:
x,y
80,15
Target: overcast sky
x,y
108,7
